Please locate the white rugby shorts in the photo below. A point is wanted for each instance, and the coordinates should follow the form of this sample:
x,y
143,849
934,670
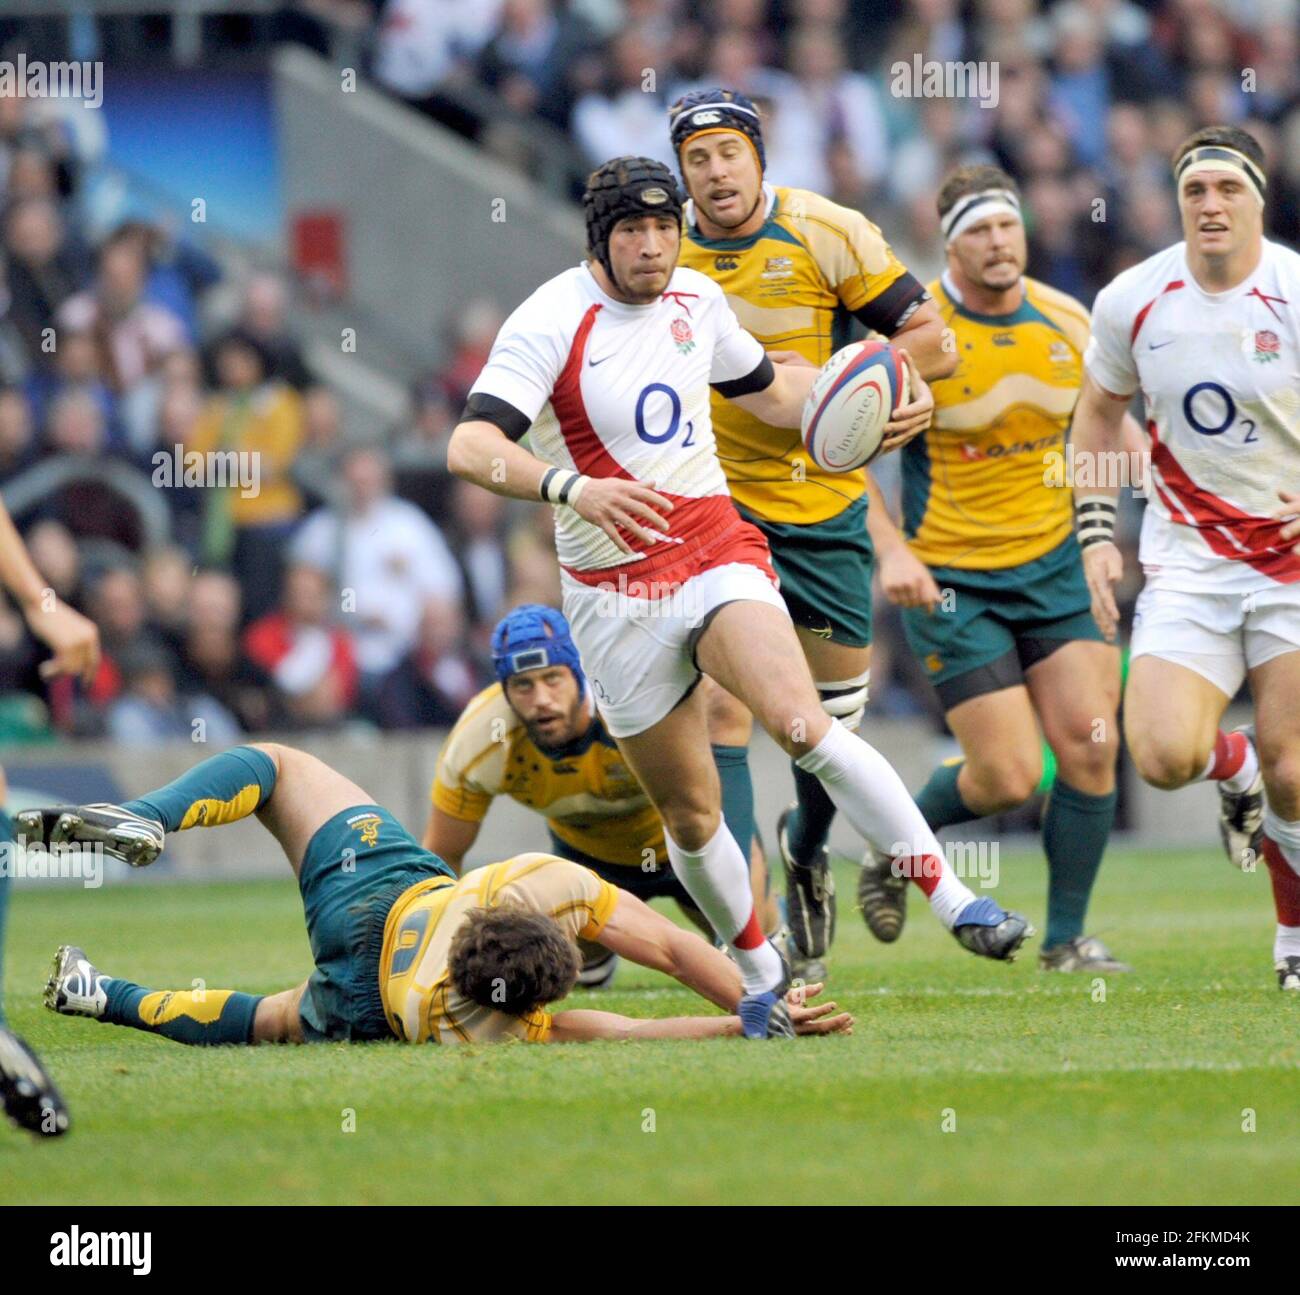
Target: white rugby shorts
x,y
638,652
1219,635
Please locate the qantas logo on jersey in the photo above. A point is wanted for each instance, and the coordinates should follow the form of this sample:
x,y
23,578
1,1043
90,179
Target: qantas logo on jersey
x,y
973,453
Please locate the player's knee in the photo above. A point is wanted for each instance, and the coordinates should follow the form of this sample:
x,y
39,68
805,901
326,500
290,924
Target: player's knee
x,y
692,831
1006,783
1165,766
274,751
1281,768
794,724
691,816
1088,755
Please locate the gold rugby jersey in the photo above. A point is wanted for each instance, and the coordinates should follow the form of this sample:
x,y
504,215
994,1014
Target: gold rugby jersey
x,y
795,284
974,488
590,799
421,1002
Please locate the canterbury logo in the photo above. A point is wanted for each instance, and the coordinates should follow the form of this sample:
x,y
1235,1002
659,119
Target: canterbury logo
x,y
709,117
725,262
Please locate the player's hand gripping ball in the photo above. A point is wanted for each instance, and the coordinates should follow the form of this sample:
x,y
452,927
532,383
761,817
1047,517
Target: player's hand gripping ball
x,y
850,404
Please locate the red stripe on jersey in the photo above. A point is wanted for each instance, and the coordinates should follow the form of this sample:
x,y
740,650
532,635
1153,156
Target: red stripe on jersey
x,y
1254,540
1172,286
713,534
590,456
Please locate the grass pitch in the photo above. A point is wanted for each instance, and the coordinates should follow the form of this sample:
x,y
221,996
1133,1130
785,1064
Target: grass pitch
x,y
1050,1095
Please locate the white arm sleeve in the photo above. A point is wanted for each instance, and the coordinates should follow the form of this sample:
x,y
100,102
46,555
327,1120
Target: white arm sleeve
x,y
1109,357
526,359
736,353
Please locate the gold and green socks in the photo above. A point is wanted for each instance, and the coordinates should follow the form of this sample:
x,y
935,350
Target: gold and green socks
x,y
221,789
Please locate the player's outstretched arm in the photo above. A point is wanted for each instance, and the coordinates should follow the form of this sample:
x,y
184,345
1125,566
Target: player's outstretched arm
x,y
583,1025
780,403
636,932
74,639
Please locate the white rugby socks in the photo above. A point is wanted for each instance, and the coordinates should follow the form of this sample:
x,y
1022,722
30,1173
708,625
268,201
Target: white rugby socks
x,y
717,879
867,790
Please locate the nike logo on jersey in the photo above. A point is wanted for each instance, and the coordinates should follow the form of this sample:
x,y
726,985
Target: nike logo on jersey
x,y
1156,346
591,364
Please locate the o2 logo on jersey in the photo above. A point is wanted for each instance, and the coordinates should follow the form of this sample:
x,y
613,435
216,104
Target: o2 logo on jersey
x,y
650,411
1211,410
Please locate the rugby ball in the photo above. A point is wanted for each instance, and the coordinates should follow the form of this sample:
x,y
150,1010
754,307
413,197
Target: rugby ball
x,y
852,399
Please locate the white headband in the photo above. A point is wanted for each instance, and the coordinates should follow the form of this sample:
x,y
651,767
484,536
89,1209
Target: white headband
x,y
975,207
1218,157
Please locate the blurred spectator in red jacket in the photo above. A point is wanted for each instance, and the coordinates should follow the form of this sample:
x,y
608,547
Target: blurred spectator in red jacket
x,y
310,661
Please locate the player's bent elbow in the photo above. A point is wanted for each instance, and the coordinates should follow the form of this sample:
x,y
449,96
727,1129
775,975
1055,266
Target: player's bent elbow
x,y
460,455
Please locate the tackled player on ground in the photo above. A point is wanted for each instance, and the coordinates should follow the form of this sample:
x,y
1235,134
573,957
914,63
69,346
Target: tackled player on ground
x,y
402,949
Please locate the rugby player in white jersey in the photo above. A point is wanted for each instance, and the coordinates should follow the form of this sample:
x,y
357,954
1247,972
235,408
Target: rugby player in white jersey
x,y
1209,331
608,368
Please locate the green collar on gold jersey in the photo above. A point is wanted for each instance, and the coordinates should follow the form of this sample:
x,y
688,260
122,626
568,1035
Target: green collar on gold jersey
x,y
1025,313
581,744
768,229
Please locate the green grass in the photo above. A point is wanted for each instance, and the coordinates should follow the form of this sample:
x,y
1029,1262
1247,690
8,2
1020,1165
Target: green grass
x,y
1057,1098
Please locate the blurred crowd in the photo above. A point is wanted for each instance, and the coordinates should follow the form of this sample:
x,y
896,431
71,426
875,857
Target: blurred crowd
x,y
1090,100
356,584
310,586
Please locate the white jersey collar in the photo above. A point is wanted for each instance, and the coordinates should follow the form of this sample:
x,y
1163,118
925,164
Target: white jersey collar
x,y
1227,294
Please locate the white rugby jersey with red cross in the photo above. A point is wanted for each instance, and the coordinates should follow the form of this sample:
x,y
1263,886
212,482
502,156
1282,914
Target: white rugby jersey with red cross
x,y
1220,378
617,390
